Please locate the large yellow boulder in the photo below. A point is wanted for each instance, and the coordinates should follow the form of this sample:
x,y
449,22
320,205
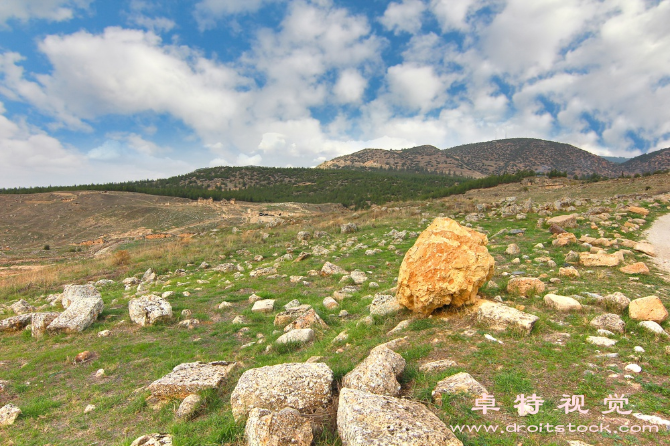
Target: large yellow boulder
x,y
446,266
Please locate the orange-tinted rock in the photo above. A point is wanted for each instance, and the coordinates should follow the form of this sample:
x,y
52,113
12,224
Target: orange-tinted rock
x,y
446,266
564,239
635,268
638,210
589,259
525,285
648,308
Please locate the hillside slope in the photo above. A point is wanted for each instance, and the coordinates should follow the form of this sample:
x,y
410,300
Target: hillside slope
x,y
649,162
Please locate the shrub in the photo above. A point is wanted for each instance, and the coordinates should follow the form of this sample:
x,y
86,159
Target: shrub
x,y
121,258
47,247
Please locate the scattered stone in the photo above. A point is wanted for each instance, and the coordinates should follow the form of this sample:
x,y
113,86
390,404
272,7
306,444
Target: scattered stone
x,y
501,317
616,302
653,420
299,336
563,221
100,373
78,316
600,259
513,250
437,366
149,276
645,248
189,323
638,210
569,271
525,285
155,439
564,239
8,414
21,307
150,309
330,303
348,228
366,419
562,303
648,308
189,406
40,322
301,386
384,304
633,368
190,377
377,373
89,408
286,427
295,303
601,341
342,337
307,319
609,321
263,306
223,305
446,266
329,269
400,327
635,268
358,277
458,383
654,328
254,298
75,292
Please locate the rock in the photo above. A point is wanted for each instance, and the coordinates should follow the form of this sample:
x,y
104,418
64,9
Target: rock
x,y
569,271
190,377
329,269
330,303
437,366
348,228
306,387
253,298
653,327
103,333
609,321
239,320
638,210
295,303
74,292
149,276
366,419
458,383
400,327
342,337
100,373
562,303
645,248
16,323
149,309
223,305
155,439
600,259
40,322
501,317
616,302
633,368
653,420
290,314
377,373
82,357
307,319
525,285
8,414
446,266
284,428
189,323
564,239
21,307
189,406
513,249
563,221
78,316
648,308
304,235
89,408
300,336
358,277
384,304
635,268
258,272
601,341
263,306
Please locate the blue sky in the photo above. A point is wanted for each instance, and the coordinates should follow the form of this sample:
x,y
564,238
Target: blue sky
x,y
115,90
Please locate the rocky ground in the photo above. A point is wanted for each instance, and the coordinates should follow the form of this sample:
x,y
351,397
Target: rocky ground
x,y
299,333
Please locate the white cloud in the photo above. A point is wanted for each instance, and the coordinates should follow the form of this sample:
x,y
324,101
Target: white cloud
x,y
246,160
350,86
216,162
413,86
403,17
451,14
51,10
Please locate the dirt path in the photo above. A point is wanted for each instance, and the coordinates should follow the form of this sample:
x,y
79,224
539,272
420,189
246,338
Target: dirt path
x,y
659,236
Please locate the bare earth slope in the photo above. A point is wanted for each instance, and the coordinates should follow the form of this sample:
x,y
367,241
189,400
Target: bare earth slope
x,y
658,236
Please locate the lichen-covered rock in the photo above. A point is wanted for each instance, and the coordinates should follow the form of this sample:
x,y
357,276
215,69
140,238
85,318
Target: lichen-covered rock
x,y
348,228
8,414
308,319
284,428
501,317
191,377
635,268
458,383
155,439
81,313
263,306
299,336
358,277
570,272
601,341
15,323
304,387
646,248
616,302
653,327
562,303
74,292
21,307
366,419
513,249
147,310
189,406
39,323
328,269
437,366
523,286
648,308
384,304
377,373
609,321
446,266
563,221
258,272
290,314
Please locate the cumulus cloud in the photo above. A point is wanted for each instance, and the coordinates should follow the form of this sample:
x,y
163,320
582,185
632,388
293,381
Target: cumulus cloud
x,y
413,86
51,10
208,12
403,17
350,86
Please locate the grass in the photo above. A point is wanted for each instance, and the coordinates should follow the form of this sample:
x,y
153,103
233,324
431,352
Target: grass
x,y
52,391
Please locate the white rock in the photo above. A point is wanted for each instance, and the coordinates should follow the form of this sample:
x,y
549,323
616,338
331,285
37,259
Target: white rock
x,y
633,368
263,306
600,341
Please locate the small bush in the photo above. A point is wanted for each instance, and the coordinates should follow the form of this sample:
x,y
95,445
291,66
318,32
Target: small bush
x,y
121,258
47,247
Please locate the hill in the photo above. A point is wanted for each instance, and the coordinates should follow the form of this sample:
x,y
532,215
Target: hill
x,y
482,159
650,162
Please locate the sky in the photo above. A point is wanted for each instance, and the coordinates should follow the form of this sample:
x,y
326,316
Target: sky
x,y
98,91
